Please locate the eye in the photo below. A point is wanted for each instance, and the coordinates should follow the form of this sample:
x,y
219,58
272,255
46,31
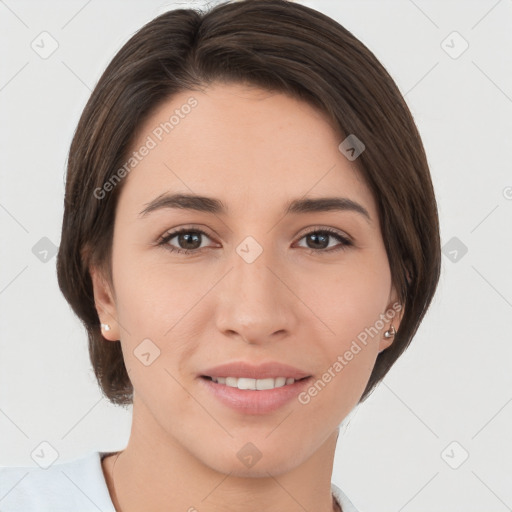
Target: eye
x,y
320,240
191,239
187,236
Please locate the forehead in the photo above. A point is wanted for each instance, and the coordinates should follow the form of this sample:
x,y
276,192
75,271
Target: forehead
x,y
247,146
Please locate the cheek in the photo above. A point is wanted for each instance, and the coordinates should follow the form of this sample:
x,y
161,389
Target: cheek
x,y
351,298
337,389
151,297
157,303
350,306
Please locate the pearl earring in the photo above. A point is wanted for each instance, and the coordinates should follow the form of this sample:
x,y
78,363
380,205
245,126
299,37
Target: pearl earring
x,y
106,327
390,332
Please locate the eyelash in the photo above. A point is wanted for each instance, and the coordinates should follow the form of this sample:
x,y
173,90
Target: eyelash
x,y
345,242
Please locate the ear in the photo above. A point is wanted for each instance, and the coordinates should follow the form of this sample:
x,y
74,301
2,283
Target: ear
x,y
392,317
105,304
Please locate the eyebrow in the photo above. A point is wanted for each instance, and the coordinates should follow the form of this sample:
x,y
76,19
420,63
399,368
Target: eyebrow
x,y
216,206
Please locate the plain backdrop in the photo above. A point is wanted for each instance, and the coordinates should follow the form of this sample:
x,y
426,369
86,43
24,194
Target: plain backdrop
x,y
435,435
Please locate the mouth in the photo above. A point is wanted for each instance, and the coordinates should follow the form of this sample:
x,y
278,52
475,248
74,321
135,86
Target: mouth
x,y
254,396
246,383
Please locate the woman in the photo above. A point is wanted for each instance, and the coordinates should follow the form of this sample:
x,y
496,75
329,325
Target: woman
x,y
251,240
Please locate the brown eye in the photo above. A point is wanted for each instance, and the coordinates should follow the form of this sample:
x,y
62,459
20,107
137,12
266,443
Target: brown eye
x,y
188,240
318,241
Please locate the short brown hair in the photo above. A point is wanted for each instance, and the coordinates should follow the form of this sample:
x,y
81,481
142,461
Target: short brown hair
x,y
279,46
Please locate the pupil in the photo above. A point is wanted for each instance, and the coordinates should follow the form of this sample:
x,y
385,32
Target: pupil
x,y
315,237
185,237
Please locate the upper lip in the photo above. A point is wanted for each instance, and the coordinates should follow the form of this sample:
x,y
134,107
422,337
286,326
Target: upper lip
x,y
239,369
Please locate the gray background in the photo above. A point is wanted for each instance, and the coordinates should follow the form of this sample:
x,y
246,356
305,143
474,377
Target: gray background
x,y
448,397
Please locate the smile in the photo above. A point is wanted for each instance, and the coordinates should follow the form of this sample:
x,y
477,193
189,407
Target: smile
x,y
253,384
254,396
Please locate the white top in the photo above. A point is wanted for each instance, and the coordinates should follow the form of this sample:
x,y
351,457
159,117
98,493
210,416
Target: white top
x,y
78,486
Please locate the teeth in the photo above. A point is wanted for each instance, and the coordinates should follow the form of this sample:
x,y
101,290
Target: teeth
x,y
255,384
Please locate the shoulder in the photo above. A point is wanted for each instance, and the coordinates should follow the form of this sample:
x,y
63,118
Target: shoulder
x,y
341,497
78,484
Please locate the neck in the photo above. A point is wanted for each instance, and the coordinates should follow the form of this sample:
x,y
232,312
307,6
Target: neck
x,y
163,476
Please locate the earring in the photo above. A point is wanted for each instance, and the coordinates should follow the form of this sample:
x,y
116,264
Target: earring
x,y
106,327
390,332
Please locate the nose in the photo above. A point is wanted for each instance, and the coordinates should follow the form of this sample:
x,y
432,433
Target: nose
x,y
255,303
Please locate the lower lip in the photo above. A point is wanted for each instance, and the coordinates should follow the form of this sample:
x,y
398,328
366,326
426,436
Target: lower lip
x,y
253,401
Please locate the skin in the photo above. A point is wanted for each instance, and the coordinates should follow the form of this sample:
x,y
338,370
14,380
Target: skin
x,y
254,150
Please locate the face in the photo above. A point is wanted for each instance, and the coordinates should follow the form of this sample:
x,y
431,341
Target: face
x,y
309,288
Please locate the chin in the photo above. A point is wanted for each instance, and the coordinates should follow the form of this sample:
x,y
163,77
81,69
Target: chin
x,y
261,469
249,461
